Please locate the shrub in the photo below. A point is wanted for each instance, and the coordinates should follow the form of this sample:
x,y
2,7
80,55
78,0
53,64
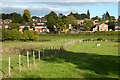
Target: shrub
x,y
11,35
16,35
30,35
14,26
25,28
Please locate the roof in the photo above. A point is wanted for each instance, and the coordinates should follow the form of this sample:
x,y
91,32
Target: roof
x,y
117,24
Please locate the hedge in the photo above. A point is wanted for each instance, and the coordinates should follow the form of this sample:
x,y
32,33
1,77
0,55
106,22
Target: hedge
x,y
16,35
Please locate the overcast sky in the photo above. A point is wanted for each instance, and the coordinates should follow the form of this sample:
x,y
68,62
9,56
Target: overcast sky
x,y
40,8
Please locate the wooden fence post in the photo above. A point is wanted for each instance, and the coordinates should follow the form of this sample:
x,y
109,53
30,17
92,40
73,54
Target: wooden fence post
x,y
43,53
28,59
9,67
19,62
39,55
33,57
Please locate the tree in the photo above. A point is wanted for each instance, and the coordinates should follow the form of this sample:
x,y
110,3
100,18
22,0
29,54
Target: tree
x,y
107,16
14,26
111,24
112,18
88,14
61,15
27,15
17,18
96,18
51,20
77,16
83,16
72,20
59,24
35,17
25,28
3,16
88,24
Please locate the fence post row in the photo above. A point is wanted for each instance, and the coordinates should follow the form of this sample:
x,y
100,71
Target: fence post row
x,y
54,48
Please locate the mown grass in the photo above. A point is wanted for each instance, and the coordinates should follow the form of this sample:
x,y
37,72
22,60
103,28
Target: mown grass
x,y
81,60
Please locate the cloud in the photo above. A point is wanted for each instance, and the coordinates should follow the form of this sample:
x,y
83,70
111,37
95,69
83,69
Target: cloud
x,y
76,3
43,8
35,10
60,1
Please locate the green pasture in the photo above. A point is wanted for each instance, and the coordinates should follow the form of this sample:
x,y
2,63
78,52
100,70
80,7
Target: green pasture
x,y
78,60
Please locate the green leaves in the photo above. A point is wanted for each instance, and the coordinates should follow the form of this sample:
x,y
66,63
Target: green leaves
x,y
27,15
14,26
88,24
11,35
16,35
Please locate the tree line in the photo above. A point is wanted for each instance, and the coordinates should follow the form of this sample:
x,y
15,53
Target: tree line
x,y
59,22
55,23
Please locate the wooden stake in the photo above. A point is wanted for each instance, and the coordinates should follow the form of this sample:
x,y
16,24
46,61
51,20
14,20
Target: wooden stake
x,y
33,57
28,59
19,62
43,53
9,67
39,55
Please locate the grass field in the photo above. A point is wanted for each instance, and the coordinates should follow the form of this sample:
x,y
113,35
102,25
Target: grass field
x,y
77,60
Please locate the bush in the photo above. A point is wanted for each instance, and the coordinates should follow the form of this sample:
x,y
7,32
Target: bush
x,y
25,28
30,36
14,26
16,35
11,35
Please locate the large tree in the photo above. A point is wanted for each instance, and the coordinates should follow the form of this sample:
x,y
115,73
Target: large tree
x,y
27,15
51,20
72,20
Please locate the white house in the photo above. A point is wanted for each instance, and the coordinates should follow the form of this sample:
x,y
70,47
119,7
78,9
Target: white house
x,y
117,26
101,27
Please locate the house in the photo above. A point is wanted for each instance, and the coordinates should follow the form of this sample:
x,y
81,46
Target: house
x,y
6,26
21,28
40,28
96,22
40,25
117,26
80,22
28,24
96,28
7,21
101,27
